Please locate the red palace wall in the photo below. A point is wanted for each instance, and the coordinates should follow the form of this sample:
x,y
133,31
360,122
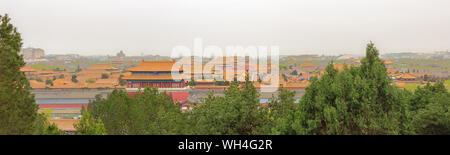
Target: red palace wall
x,y
156,84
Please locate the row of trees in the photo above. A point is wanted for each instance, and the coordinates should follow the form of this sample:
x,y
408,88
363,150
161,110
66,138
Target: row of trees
x,y
357,100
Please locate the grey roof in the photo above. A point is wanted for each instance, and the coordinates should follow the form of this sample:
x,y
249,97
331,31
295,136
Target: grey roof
x,y
63,100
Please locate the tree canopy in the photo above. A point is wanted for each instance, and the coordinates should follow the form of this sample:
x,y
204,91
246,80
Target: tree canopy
x,y
18,109
356,100
147,112
236,113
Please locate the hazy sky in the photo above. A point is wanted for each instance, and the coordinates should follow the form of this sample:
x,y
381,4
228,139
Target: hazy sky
x,y
92,27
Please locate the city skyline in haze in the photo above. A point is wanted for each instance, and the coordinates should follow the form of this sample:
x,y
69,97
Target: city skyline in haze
x,y
104,27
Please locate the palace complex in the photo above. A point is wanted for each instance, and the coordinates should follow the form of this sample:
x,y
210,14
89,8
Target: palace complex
x,y
157,74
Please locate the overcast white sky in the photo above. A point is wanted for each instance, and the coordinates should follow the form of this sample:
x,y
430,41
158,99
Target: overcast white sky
x,y
91,27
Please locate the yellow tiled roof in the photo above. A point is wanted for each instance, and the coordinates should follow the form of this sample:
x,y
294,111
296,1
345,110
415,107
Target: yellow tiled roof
x,y
154,66
36,84
148,77
407,76
27,69
307,64
107,81
101,67
388,62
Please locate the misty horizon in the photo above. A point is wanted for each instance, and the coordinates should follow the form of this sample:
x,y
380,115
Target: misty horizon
x,y
322,27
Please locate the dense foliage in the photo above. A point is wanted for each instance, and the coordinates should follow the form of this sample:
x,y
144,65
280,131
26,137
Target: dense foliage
x,y
356,100
431,109
18,109
235,113
147,112
89,125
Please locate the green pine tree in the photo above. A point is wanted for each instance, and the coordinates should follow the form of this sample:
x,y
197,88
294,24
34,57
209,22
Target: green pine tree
x,y
281,112
89,125
18,109
357,100
235,113
430,106
147,112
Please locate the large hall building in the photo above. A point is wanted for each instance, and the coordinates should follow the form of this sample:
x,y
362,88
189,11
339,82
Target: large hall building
x,y
156,74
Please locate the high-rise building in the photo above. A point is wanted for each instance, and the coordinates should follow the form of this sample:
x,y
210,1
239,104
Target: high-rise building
x,y
32,53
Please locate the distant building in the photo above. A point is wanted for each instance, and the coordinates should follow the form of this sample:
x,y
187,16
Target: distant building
x,y
32,53
100,68
235,67
67,61
307,67
405,77
117,62
356,62
388,63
